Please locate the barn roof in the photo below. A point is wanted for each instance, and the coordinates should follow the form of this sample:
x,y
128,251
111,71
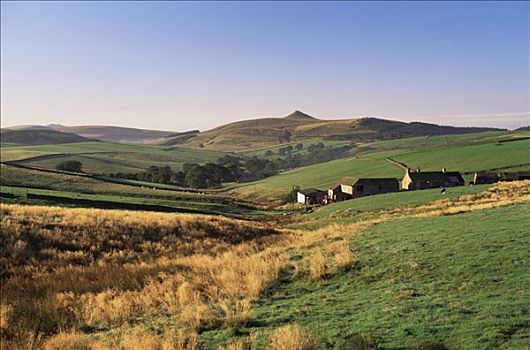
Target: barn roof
x,y
352,180
435,176
381,180
311,191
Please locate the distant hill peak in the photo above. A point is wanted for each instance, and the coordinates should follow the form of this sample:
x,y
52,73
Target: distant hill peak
x,y
297,115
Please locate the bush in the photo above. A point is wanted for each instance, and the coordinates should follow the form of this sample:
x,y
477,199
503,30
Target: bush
x,y
70,165
292,337
359,342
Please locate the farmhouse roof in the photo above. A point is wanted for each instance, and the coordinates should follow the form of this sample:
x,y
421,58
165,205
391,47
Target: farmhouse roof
x,y
435,176
352,180
376,180
311,191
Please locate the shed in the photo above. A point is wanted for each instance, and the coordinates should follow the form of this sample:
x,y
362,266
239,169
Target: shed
x,y
491,177
338,193
310,196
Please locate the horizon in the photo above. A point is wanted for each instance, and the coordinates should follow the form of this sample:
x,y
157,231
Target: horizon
x,y
252,118
183,66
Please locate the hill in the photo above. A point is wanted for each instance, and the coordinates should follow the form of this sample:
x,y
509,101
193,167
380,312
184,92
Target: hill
x,y
299,127
264,132
105,157
468,154
34,136
102,132
114,133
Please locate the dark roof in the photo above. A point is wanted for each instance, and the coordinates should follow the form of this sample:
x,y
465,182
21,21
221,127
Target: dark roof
x,y
311,191
352,180
435,176
388,180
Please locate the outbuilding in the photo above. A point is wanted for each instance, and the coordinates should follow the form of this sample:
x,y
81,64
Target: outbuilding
x,y
339,193
352,187
311,196
490,177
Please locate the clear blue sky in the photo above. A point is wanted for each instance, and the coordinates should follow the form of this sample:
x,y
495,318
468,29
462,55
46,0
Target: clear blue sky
x,y
178,66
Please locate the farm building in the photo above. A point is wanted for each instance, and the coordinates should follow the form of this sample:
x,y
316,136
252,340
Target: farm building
x,y
338,193
311,196
420,180
365,186
489,178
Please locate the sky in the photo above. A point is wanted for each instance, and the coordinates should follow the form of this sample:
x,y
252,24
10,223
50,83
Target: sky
x,y
196,65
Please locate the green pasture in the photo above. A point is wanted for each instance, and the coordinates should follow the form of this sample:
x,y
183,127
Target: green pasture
x,y
59,182
457,280
260,152
466,157
446,140
105,157
363,208
178,203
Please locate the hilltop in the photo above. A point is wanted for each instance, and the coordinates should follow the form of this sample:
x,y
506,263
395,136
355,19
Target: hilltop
x,y
35,136
264,132
102,132
299,126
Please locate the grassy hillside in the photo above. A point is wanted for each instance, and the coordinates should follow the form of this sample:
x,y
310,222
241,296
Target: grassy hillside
x,y
459,280
39,137
299,127
452,273
321,175
102,132
366,208
464,155
104,157
22,181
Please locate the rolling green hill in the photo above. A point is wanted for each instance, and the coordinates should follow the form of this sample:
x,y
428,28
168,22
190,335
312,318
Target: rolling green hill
x,y
22,181
101,132
39,137
104,157
114,133
299,127
456,280
464,154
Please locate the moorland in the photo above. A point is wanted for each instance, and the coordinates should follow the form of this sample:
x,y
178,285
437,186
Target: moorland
x,y
99,259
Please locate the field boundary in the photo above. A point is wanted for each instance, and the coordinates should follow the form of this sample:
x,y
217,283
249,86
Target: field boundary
x,y
397,163
101,178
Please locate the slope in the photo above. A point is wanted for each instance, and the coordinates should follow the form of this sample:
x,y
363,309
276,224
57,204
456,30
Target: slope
x,y
298,127
34,136
462,156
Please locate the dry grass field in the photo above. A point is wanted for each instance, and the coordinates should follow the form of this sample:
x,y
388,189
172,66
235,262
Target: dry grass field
x,y
103,279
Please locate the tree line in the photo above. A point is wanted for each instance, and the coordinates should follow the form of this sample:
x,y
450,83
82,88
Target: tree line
x,y
231,168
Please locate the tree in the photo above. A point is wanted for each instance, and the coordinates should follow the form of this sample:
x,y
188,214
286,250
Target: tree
x,y
285,150
196,177
299,147
316,148
70,165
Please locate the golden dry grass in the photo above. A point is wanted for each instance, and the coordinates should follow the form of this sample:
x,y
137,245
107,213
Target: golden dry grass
x,y
62,269
292,337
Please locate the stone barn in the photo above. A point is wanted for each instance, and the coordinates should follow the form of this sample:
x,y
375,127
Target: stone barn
x,y
421,180
311,196
490,177
338,193
369,186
